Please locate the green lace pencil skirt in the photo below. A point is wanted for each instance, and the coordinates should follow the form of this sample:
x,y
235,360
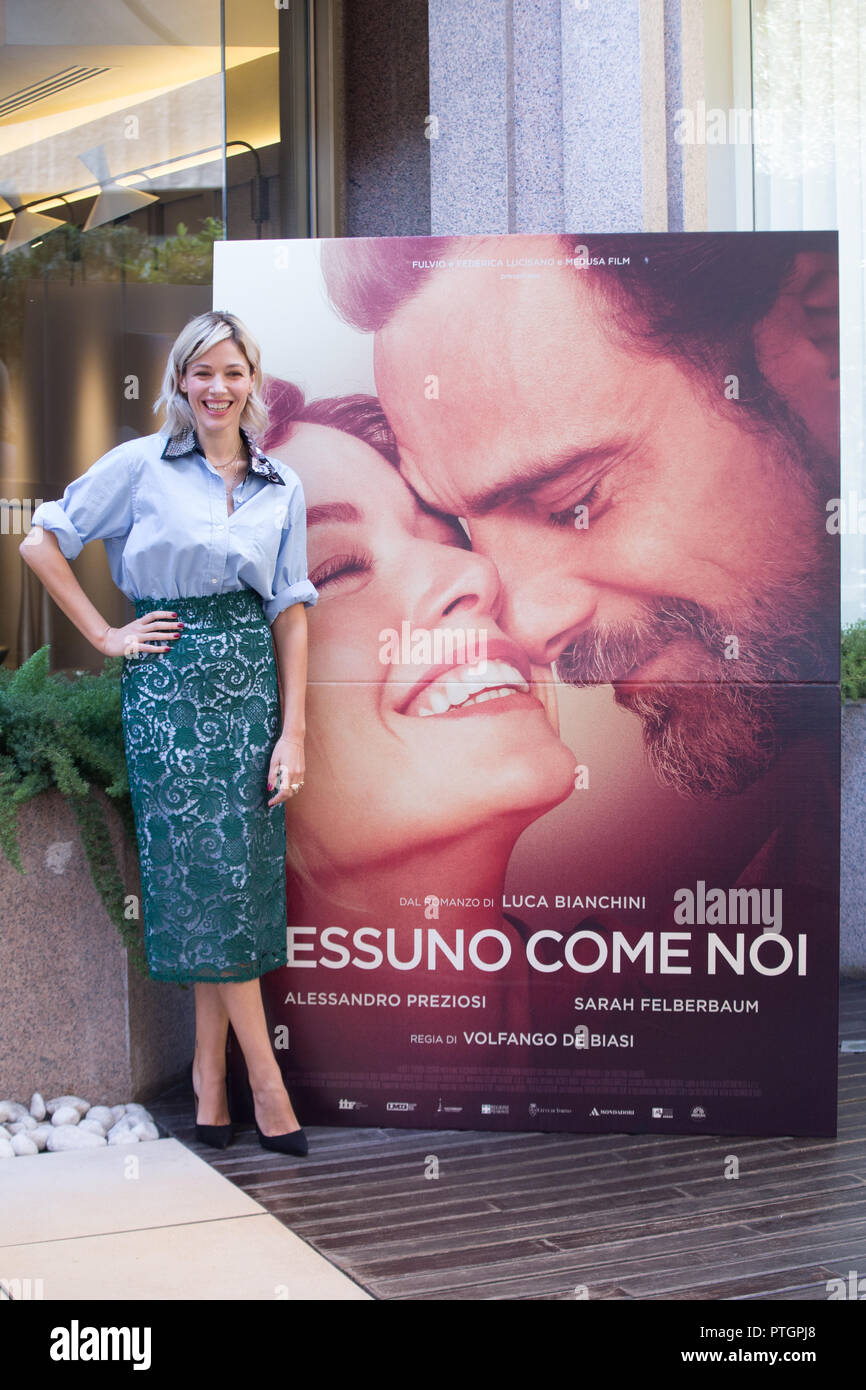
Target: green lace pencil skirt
x,y
199,725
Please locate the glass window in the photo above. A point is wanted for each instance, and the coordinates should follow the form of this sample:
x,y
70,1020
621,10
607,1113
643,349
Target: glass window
x,y
790,78
131,136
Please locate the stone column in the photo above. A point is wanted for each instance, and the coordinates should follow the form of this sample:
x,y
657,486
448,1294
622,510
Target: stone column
x,y
469,107
77,1017
559,115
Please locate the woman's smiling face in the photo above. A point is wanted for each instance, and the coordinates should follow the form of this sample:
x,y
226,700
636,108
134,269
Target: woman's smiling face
x,y
411,738
217,385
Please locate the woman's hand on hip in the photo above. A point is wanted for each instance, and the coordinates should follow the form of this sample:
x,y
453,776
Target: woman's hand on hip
x,y
286,773
152,632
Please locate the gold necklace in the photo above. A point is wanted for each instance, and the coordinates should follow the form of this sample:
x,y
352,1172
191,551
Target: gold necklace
x,y
220,466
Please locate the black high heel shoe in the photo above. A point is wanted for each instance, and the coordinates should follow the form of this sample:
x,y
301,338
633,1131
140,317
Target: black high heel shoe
x,y
216,1136
292,1143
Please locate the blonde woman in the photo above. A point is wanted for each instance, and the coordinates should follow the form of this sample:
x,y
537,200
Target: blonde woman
x,y
206,534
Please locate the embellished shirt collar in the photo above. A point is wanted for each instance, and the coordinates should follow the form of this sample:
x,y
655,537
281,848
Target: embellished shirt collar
x,y
188,441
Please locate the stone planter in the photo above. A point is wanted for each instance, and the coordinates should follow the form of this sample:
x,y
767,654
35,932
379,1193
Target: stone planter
x,y
852,959
76,1016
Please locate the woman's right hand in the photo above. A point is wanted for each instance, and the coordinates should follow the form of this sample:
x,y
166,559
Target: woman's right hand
x,y
149,633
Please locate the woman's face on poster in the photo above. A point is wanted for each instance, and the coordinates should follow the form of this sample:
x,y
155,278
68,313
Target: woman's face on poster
x,y
422,719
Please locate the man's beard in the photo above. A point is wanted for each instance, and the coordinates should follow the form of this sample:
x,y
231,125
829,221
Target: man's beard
x,y
713,735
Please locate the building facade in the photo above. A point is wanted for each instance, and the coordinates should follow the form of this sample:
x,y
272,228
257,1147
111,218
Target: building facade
x,y
133,136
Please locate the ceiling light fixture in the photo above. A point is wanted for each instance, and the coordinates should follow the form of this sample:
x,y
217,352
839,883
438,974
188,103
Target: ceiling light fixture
x,y
26,226
113,201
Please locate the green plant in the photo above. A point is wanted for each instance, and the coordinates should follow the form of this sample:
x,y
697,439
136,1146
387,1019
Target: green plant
x,y
57,732
113,253
854,661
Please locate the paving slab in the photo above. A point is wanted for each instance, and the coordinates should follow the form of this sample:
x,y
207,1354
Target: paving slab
x,y
150,1221
239,1258
56,1196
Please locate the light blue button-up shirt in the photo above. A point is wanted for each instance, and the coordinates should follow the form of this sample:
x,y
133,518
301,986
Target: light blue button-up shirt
x,y
162,511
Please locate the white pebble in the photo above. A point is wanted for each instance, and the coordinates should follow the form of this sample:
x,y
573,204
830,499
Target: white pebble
x,y
11,1110
93,1126
23,1146
102,1114
146,1130
16,1126
72,1137
71,1122
138,1111
125,1122
40,1134
82,1106
66,1115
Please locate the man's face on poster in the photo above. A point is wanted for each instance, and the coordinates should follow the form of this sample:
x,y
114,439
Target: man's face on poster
x,y
647,533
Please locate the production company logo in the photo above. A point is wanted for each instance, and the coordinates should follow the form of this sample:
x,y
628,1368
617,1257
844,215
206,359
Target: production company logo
x,y
442,1109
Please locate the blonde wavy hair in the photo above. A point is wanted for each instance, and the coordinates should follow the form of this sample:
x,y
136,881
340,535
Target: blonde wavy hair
x,y
198,337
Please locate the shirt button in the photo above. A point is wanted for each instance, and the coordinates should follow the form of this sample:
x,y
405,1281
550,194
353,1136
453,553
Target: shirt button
x,y
213,581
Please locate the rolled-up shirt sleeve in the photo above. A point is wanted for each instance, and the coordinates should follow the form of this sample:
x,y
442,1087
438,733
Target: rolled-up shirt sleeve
x,y
290,584
96,506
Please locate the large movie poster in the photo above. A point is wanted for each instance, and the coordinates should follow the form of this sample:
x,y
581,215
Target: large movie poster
x,y
567,853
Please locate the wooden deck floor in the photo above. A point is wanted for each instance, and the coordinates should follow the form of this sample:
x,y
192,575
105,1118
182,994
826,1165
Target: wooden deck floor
x,y
538,1216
